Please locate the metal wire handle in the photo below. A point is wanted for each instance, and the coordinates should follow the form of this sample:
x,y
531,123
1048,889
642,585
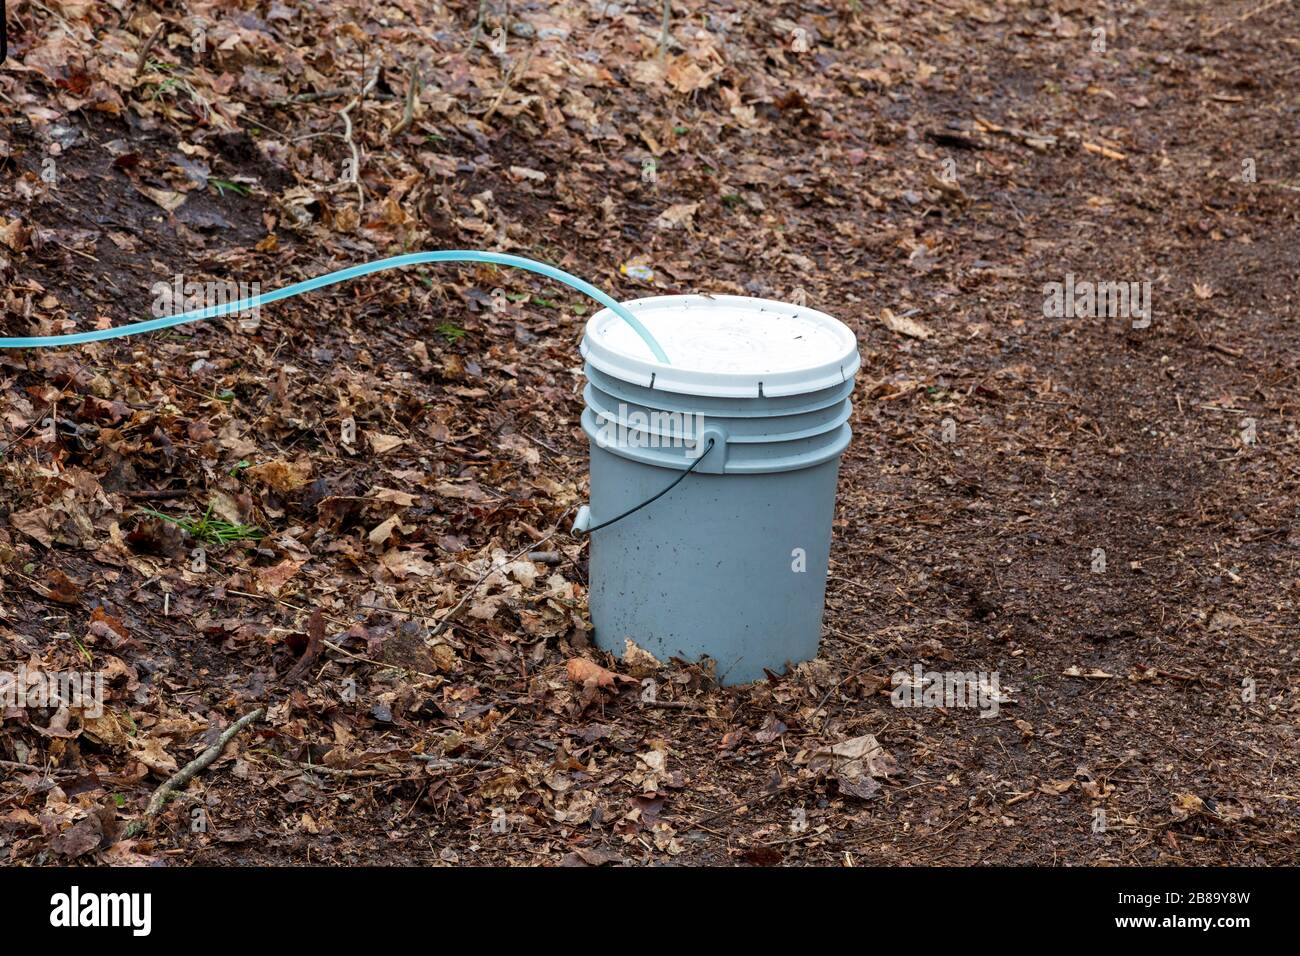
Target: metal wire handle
x,y
648,501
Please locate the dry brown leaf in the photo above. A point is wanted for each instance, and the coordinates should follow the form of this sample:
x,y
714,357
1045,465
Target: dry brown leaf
x,y
280,475
856,764
581,670
1094,673
273,579
380,534
680,214
639,661
151,752
903,325
382,444
168,199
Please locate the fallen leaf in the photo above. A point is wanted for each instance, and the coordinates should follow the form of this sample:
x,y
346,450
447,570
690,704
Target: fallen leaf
x,y
380,533
1095,673
639,661
903,325
280,475
80,838
855,764
273,579
382,444
151,752
581,670
680,214
168,199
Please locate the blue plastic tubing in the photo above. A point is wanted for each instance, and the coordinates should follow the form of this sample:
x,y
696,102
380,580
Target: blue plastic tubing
x,y
343,275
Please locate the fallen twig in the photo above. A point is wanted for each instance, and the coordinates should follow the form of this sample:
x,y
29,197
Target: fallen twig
x,y
352,145
475,763
413,87
478,25
519,67
1104,151
1244,17
191,770
794,784
143,56
664,35
492,566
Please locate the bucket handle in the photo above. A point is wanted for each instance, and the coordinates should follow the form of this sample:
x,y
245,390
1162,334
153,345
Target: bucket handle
x,y
582,524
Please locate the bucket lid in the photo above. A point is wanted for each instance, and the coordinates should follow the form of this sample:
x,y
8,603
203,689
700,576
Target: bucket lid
x,y
724,345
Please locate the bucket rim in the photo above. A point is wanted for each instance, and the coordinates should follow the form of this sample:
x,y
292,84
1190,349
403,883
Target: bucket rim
x,y
790,349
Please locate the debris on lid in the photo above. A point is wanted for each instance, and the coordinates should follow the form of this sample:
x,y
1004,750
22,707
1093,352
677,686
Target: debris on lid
x,y
641,273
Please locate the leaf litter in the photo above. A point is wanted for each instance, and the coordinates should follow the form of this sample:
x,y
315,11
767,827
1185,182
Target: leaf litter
x,y
404,446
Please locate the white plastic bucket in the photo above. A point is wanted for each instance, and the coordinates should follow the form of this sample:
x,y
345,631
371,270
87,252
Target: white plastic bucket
x,y
731,562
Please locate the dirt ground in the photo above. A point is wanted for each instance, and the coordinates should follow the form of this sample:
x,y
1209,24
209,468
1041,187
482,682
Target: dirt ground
x,y
1101,511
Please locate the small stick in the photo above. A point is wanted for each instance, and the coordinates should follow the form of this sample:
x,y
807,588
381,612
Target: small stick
x,y
478,25
505,88
143,56
191,770
412,91
352,144
1243,18
476,763
447,619
751,802
315,97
